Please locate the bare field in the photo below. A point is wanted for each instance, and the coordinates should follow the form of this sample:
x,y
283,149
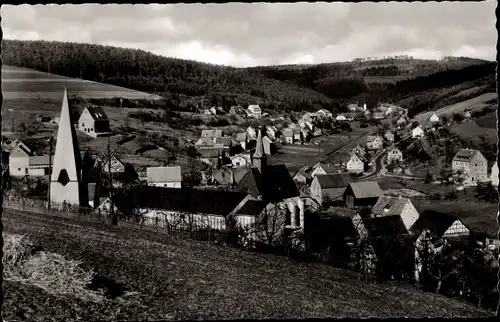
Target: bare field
x,y
478,102
182,279
29,84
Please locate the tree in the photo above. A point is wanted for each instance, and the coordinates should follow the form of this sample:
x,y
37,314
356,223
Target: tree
x,y
486,191
428,177
458,117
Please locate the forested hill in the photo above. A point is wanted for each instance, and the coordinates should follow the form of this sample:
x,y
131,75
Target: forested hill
x,y
300,87
170,77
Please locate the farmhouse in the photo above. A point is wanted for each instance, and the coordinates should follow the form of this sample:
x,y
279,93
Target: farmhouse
x,y
434,118
417,132
340,118
117,166
254,111
330,187
272,132
297,134
288,136
22,162
204,142
374,142
169,177
396,206
394,155
494,174
94,121
472,164
211,155
362,194
241,160
251,133
357,163
324,168
378,115
467,116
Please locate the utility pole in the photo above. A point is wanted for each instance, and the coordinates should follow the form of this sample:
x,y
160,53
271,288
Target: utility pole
x,y
50,168
114,220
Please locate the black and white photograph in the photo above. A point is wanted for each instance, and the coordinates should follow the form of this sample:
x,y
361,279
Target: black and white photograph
x,y
249,161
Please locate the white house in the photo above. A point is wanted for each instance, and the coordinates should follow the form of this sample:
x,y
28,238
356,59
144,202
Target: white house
x,y
434,118
374,142
288,136
169,177
389,136
494,174
394,155
356,164
467,116
417,132
252,133
22,162
396,206
241,160
272,132
297,134
324,168
94,121
472,164
242,138
340,118
117,166
254,111
211,134
324,113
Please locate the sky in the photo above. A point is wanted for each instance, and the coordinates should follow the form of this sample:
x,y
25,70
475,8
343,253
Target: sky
x,y
251,34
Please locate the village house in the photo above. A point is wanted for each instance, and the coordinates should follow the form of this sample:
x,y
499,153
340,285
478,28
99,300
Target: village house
x,y
94,121
472,164
268,145
340,117
396,206
417,132
330,187
213,110
302,176
467,116
22,162
251,133
237,110
401,122
212,156
254,111
378,115
272,132
305,134
394,155
357,163
297,134
362,194
225,141
317,132
309,125
301,123
242,138
323,168
211,134
117,166
374,142
434,118
494,174
324,113
169,177
241,160
288,136
389,136
204,142
308,116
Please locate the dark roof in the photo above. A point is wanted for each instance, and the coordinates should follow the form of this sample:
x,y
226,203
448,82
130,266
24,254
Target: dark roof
x,y
394,206
226,140
385,226
274,185
365,189
187,200
436,222
210,152
343,212
92,191
464,154
337,180
251,207
328,167
304,173
338,226
97,112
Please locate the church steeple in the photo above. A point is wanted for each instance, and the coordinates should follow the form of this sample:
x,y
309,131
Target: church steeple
x,y
259,157
65,182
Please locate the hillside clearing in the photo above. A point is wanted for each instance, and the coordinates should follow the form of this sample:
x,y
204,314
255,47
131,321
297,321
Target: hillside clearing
x,y
472,130
478,102
180,279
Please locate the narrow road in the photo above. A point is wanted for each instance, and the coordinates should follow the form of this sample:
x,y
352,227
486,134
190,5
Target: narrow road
x,y
378,167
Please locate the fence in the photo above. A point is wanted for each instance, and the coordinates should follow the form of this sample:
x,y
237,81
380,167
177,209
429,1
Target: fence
x,y
17,202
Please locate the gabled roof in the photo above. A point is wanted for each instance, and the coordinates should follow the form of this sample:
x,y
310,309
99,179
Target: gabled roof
x,y
328,167
387,226
211,133
365,189
205,142
225,140
436,222
359,155
164,174
251,208
337,180
304,173
210,152
97,113
389,206
241,137
288,133
21,145
371,138
39,160
464,155
186,200
343,212
274,185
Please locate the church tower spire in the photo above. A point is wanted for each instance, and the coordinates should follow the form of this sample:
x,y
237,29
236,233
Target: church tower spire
x,y
259,157
65,181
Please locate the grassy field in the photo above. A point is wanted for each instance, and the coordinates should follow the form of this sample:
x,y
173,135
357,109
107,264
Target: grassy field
x,y
472,130
180,279
30,84
488,121
478,102
384,79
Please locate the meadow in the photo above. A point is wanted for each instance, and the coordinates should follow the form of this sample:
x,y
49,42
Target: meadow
x,y
168,278
484,126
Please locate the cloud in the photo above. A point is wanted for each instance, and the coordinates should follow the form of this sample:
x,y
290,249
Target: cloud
x,y
241,34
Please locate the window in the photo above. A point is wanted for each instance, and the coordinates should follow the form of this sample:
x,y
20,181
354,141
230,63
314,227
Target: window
x,y
237,164
18,169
